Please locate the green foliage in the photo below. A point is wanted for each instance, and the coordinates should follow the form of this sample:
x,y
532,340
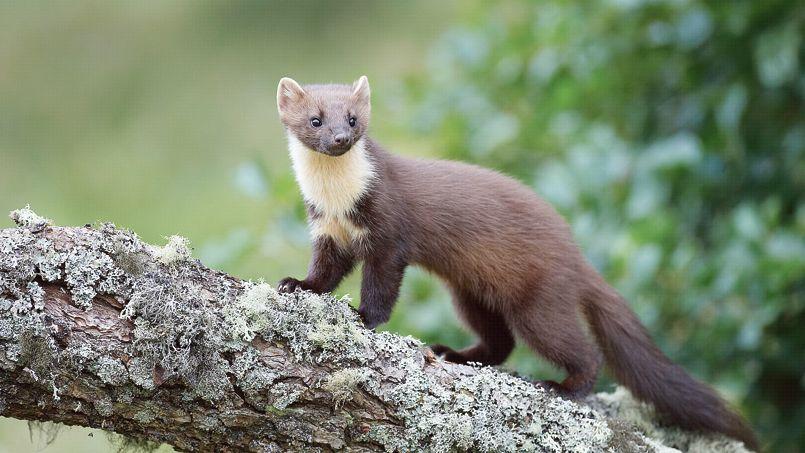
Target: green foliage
x,y
672,136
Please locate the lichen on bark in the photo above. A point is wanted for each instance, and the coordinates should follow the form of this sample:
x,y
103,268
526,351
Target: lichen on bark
x,y
100,329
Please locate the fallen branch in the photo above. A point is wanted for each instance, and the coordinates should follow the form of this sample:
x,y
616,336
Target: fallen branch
x,y
99,329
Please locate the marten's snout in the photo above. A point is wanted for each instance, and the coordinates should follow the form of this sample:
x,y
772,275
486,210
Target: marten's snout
x,y
342,139
339,143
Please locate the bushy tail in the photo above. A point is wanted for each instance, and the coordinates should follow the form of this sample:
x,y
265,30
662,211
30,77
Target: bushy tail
x,y
640,366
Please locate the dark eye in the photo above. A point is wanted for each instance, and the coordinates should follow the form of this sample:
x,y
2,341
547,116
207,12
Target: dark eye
x,y
315,122
352,121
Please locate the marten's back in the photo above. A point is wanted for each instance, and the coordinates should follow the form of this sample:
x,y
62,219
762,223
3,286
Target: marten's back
x,y
479,229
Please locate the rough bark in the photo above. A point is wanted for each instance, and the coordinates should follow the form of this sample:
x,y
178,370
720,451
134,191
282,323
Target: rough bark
x,y
99,329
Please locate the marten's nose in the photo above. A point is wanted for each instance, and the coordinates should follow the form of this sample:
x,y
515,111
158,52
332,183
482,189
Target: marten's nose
x,y
341,139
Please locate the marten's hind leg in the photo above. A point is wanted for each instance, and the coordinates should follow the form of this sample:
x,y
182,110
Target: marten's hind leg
x,y
555,332
495,338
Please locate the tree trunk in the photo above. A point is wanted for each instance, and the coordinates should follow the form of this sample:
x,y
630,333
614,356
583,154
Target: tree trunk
x,y
99,329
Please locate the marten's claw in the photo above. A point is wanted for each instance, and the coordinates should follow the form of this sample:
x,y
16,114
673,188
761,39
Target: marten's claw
x,y
560,390
440,349
448,353
549,386
372,318
289,285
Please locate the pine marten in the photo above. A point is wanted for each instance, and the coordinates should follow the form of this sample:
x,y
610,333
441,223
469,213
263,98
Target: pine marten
x,y
506,255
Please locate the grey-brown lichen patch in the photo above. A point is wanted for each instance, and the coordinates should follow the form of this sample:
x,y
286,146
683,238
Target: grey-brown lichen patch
x,y
209,423
625,439
256,380
110,370
141,372
104,406
284,394
37,355
145,416
211,382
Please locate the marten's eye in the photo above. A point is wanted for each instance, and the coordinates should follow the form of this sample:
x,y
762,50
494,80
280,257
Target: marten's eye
x,y
315,122
353,121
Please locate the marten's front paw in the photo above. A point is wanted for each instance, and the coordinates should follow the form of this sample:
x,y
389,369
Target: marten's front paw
x,y
289,285
560,390
448,353
440,349
372,318
549,386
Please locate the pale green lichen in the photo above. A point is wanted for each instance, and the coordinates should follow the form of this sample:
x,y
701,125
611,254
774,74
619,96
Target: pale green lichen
x,y
334,336
343,383
27,218
88,270
84,272
503,412
251,311
176,250
318,328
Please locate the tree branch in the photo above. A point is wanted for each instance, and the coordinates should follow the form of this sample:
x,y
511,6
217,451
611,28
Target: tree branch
x,y
99,329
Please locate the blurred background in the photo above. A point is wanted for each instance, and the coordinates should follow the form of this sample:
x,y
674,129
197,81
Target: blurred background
x,y
670,133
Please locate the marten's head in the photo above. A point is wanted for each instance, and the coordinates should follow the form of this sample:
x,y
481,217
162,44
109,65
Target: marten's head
x,y
326,118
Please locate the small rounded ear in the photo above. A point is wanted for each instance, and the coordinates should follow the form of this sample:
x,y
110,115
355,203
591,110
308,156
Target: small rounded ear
x,y
360,89
288,92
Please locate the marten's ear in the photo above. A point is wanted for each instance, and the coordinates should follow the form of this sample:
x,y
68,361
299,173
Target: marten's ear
x,y
288,92
360,90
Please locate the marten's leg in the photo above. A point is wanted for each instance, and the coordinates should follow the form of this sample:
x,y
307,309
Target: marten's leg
x,y
554,330
329,265
382,275
496,340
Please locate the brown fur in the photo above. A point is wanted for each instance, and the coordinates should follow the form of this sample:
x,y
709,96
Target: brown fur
x,y
510,262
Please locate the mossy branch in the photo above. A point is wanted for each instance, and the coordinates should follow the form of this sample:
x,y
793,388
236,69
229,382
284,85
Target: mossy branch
x,y
100,329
